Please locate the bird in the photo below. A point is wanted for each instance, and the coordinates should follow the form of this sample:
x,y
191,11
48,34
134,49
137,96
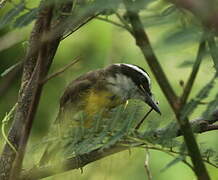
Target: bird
x,y
99,91
102,90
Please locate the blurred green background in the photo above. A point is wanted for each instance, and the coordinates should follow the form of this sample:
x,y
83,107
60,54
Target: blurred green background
x,y
100,44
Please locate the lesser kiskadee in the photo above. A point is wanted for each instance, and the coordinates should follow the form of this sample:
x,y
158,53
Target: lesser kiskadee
x,y
104,89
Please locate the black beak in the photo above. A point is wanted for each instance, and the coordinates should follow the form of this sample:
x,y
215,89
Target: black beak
x,y
153,104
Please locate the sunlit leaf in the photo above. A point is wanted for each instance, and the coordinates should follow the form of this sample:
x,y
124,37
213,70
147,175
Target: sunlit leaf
x,y
203,93
169,10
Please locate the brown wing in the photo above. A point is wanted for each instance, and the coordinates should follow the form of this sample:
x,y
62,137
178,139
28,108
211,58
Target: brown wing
x,y
73,92
72,100
80,86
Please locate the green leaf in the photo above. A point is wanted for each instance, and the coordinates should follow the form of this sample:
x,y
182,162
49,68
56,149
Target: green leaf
x,y
141,4
115,138
169,10
203,93
213,51
189,63
9,69
186,63
109,6
26,18
182,35
173,162
158,19
210,108
11,14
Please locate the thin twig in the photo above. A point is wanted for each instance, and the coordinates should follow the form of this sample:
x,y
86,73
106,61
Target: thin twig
x,y
188,164
146,164
143,42
146,115
124,25
5,121
7,80
170,151
124,22
76,60
195,69
79,26
111,22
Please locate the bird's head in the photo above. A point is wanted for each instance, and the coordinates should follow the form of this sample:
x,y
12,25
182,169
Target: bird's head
x,y
129,81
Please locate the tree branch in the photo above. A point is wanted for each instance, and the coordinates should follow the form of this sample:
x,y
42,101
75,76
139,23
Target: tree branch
x,y
60,71
29,97
143,43
112,22
199,125
69,164
195,68
36,65
35,87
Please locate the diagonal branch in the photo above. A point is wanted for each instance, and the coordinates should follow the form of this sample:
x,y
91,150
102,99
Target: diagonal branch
x,y
35,87
195,69
60,71
113,22
37,62
144,44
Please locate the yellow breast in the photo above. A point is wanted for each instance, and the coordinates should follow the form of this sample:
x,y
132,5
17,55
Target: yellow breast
x,y
98,101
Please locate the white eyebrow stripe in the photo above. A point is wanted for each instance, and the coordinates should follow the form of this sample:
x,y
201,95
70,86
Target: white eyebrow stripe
x,y
139,70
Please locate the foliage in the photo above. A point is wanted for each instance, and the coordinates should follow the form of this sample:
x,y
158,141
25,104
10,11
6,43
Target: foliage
x,y
26,18
203,93
177,28
211,107
11,14
80,140
118,128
